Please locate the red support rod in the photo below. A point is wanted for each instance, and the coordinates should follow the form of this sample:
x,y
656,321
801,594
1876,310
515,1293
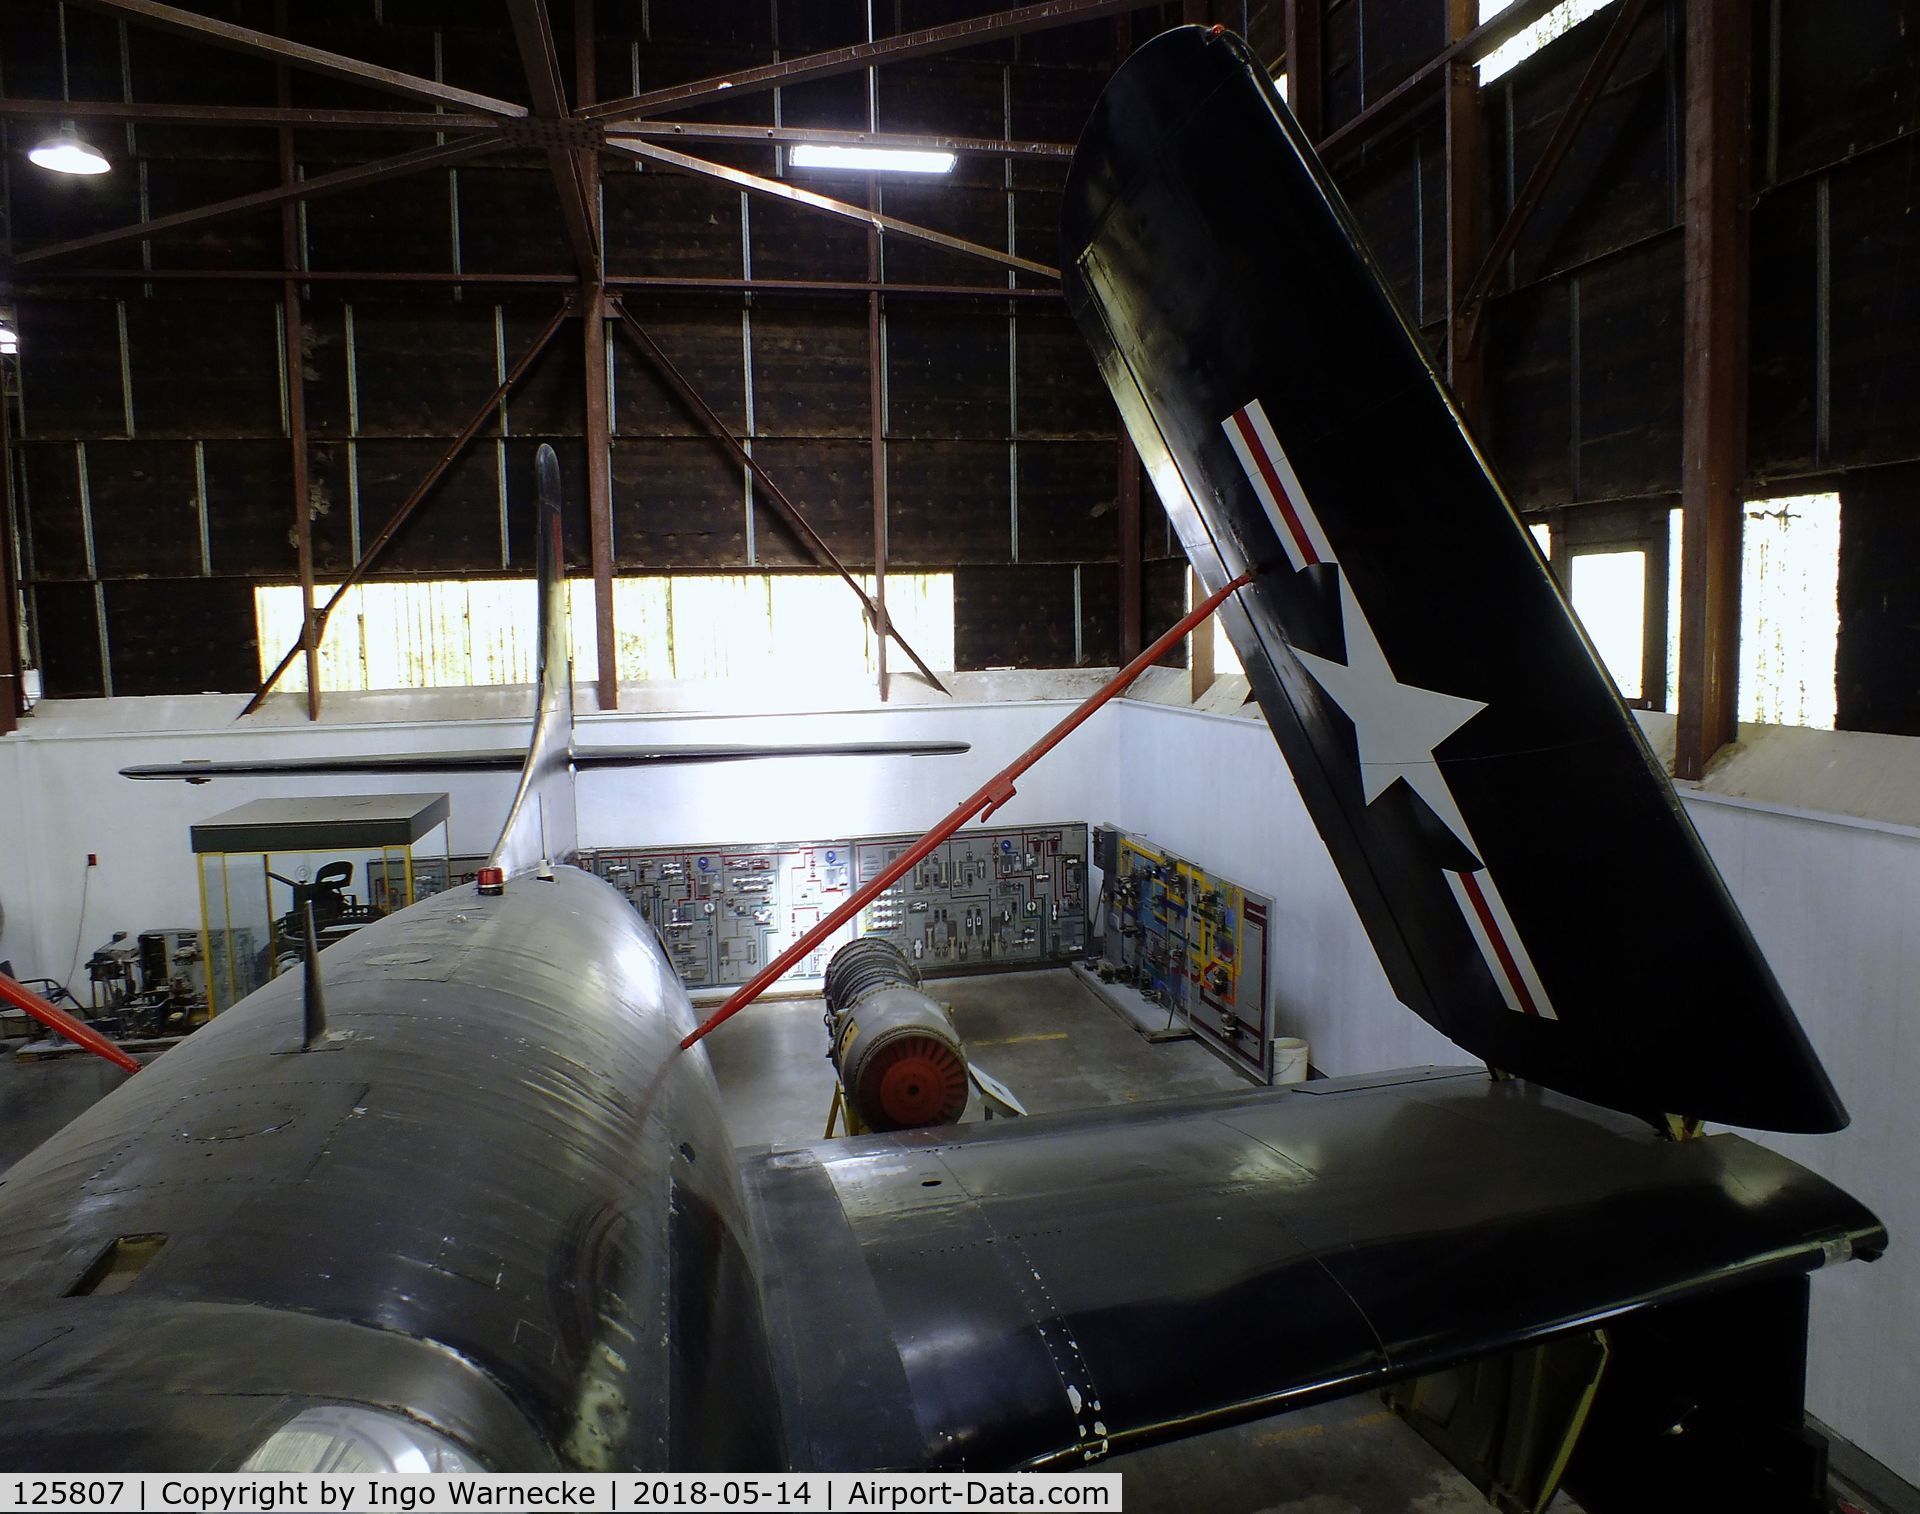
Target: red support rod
x,y
63,1024
995,792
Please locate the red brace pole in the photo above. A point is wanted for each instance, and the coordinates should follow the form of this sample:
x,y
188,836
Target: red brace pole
x,y
61,1023
995,792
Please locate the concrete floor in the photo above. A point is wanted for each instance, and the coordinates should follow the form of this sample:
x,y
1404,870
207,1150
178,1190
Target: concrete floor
x,y
1058,1048
1041,1033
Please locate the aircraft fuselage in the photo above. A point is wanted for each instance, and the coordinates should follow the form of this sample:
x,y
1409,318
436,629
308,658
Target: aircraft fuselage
x,y
496,1173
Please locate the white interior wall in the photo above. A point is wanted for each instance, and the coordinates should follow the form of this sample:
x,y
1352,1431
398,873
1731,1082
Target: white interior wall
x,y
16,875
1215,789
1832,905
61,796
1830,896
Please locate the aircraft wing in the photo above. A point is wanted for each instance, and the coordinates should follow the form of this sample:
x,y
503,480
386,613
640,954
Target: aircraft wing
x,y
1518,858
589,758
1039,1292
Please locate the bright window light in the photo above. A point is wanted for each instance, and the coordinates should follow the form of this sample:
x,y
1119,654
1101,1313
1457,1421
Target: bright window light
x,y
774,629
1529,40
1676,539
68,153
9,341
1790,610
421,635
1225,659
870,159
1543,535
1609,593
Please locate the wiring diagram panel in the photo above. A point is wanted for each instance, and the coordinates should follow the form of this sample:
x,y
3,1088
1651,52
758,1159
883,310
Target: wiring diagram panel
x,y
994,898
989,898
1190,940
726,911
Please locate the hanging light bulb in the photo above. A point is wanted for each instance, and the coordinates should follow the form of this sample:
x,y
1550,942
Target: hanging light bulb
x,y
68,152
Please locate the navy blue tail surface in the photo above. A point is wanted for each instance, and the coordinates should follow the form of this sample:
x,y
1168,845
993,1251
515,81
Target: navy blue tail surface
x,y
1518,858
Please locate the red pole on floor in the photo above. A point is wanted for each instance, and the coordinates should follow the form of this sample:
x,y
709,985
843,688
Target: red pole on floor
x,y
63,1024
995,792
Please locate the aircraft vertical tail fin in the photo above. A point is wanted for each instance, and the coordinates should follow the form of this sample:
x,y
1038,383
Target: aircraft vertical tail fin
x,y
1520,861
541,827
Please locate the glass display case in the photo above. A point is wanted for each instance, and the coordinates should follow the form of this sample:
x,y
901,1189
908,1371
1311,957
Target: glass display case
x,y
353,858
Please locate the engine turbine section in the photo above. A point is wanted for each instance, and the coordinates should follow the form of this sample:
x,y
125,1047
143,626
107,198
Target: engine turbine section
x,y
900,1062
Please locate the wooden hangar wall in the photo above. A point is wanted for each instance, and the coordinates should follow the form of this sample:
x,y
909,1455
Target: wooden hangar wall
x,y
1583,335
152,466
1000,451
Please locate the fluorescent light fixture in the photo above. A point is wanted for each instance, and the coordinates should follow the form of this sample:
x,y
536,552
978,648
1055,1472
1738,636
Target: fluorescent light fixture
x,y
870,159
68,152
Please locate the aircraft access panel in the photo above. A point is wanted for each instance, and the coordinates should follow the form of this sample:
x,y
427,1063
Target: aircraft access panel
x,y
999,897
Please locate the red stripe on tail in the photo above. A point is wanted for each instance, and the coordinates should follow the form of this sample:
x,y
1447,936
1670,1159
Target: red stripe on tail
x,y
1299,532
1500,948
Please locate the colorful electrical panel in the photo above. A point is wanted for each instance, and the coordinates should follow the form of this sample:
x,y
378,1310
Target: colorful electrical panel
x,y
1191,940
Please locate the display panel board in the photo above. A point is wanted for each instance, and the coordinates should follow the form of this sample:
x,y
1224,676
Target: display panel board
x,y
1190,940
997,897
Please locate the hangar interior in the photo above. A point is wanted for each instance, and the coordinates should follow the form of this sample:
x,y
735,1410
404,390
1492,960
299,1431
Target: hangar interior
x,y
276,377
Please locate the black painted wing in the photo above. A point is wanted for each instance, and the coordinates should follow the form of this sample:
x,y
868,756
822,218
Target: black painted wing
x,y
396,764
1517,857
1040,1292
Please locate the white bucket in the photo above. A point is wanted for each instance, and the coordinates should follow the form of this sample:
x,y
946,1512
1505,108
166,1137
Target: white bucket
x,y
1289,1060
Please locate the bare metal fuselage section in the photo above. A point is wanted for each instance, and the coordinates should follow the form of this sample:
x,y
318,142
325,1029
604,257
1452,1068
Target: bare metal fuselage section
x,y
494,1198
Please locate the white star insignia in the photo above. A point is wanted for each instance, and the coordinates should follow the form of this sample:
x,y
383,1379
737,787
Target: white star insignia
x,y
1396,724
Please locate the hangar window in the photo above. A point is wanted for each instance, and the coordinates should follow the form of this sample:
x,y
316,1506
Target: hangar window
x,y
794,629
1674,517
439,633
1609,593
1225,659
1530,39
1790,610
1614,563
1621,569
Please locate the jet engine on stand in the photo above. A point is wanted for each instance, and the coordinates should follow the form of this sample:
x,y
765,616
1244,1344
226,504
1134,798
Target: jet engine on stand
x,y
899,1059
